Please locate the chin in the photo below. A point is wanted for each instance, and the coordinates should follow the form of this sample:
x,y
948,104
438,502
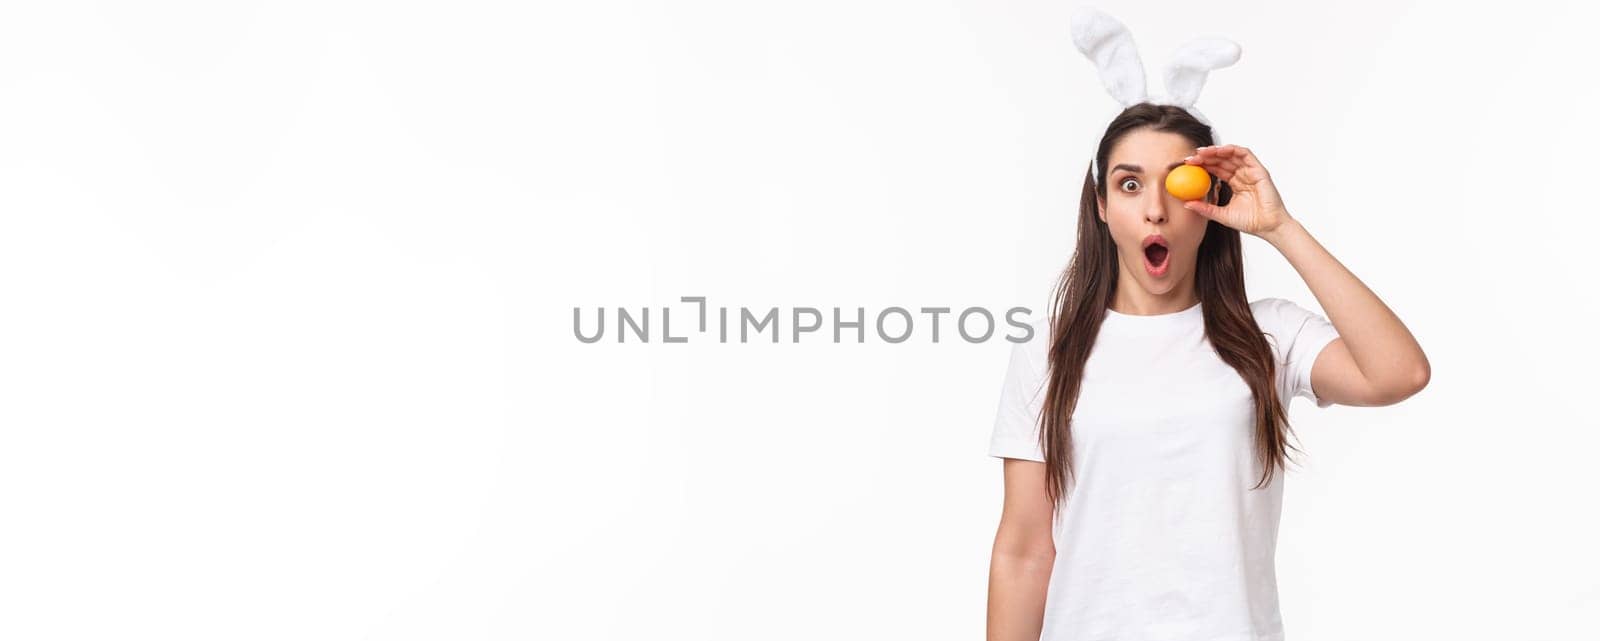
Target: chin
x,y
1162,286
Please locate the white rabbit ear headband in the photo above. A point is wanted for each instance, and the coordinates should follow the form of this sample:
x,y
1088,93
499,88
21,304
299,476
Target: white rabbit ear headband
x,y
1107,42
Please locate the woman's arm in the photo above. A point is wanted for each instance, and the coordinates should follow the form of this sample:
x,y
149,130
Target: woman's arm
x,y
1375,360
1024,553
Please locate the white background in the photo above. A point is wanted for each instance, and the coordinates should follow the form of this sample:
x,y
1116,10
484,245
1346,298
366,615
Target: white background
x,y
286,295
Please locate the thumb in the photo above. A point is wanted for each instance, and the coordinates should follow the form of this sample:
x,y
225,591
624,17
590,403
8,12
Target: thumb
x,y
1203,208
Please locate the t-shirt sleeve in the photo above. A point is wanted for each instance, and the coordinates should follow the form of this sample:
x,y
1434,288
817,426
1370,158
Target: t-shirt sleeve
x,y
1016,429
1298,336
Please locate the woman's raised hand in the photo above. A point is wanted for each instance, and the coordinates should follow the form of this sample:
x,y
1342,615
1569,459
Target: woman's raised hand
x,y
1255,207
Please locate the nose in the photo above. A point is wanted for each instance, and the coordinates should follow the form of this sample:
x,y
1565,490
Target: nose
x,y
1155,210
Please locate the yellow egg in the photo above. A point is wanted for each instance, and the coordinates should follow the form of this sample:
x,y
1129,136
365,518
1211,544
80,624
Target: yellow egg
x,y
1188,182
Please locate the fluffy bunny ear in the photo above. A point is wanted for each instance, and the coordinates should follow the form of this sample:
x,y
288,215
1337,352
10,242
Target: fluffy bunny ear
x,y
1107,42
1185,75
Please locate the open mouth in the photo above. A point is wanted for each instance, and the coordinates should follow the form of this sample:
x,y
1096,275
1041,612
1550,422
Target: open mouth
x,y
1155,255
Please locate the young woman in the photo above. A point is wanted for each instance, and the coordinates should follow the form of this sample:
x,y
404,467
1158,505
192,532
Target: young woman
x,y
1144,429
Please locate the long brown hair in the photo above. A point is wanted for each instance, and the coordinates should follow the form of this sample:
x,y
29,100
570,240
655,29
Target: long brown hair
x,y
1085,290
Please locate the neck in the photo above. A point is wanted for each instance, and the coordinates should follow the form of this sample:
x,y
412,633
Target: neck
x,y
1132,298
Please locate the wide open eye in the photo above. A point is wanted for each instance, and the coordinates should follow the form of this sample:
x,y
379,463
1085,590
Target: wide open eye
x,y
1125,181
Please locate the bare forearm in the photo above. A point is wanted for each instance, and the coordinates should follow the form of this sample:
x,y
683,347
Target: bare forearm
x,y
1383,349
1017,587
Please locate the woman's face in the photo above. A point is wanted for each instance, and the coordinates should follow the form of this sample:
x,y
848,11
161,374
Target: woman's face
x,y
1137,207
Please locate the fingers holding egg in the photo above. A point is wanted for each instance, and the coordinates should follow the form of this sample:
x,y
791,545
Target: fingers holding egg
x,y
1223,168
1229,160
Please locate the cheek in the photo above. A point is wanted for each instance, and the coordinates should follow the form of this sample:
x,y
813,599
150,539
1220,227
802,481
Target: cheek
x,y
1126,228
1195,229
1117,218
1191,245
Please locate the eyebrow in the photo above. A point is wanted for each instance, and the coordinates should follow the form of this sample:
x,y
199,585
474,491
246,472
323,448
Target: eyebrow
x,y
1139,170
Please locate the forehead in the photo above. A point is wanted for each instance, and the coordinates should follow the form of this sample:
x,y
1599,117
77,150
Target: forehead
x,y
1147,147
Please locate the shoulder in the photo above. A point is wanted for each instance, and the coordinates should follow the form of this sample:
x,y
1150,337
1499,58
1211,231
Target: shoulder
x,y
1270,307
1030,342
1277,316
1293,325
1272,312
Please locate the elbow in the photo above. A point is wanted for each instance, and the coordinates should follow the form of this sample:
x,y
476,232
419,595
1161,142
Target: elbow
x,y
1025,561
1398,387
1420,380
1032,551
1414,382
1421,374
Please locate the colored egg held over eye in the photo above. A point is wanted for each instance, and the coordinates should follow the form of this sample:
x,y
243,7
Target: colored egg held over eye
x,y
1188,182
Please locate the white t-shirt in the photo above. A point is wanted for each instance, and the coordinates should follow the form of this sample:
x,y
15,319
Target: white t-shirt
x,y
1161,537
